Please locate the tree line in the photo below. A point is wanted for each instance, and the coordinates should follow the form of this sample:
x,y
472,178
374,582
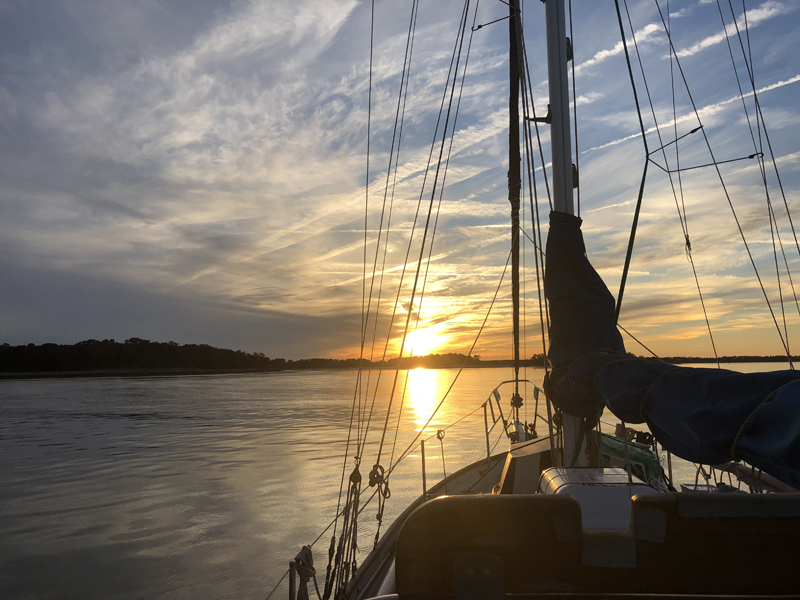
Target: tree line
x,y
136,354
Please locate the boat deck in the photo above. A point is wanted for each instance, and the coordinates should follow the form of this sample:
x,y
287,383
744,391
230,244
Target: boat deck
x,y
375,577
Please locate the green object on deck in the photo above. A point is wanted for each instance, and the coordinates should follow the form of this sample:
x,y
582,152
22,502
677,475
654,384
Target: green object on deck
x,y
644,462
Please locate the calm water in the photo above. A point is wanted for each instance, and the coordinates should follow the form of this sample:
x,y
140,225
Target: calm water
x,y
202,487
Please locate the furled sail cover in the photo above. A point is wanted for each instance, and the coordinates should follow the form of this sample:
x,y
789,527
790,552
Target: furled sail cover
x,y
710,416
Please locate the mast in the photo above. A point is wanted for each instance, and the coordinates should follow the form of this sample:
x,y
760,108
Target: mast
x,y
560,140
561,148
514,181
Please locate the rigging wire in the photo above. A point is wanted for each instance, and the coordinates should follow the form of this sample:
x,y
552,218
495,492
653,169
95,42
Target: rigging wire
x,y
330,575
406,263
345,556
427,223
681,216
428,262
342,551
277,584
758,149
460,370
675,129
446,166
364,310
383,490
726,192
528,106
534,120
403,94
758,109
406,66
760,123
635,339
397,134
637,210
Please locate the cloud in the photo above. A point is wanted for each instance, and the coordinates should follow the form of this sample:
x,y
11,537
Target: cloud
x,y
755,17
650,33
587,98
707,111
206,173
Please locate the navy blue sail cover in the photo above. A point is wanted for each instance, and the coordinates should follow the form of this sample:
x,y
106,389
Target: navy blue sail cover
x,y
710,416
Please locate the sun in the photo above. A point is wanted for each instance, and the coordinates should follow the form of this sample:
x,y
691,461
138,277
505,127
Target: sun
x,y
424,341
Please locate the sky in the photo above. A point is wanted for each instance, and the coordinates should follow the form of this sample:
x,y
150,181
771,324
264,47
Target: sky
x,y
197,172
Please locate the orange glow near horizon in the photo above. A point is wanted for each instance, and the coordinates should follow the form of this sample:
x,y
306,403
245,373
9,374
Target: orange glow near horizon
x,y
446,327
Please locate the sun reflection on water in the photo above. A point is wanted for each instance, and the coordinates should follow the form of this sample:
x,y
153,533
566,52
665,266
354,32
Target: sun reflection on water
x,y
425,389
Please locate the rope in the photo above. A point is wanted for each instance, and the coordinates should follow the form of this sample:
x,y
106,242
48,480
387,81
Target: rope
x,y
303,564
436,221
357,394
409,50
345,539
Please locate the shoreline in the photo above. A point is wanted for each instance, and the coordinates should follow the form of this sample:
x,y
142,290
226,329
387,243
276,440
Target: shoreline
x,y
487,364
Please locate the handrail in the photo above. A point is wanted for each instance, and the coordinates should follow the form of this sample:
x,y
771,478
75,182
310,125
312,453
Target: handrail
x,y
495,394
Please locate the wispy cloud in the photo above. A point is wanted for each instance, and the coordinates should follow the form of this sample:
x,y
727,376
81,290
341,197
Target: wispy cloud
x,y
208,174
704,112
652,32
755,17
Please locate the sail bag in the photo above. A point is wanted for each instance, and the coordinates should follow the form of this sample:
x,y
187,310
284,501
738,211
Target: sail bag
x,y
709,416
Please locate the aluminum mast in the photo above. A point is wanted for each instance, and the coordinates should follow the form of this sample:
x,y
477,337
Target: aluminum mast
x,y
514,180
561,149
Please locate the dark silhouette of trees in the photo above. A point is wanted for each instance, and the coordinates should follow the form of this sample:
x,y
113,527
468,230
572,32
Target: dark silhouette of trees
x,y
138,355
133,354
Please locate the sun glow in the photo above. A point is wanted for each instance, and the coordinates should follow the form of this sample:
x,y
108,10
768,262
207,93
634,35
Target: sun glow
x,y
424,341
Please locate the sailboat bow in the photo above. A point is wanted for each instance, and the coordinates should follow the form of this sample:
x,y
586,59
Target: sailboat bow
x,y
569,515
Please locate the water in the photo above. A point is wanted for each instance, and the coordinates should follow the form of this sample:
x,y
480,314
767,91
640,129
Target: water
x,y
196,487
204,486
